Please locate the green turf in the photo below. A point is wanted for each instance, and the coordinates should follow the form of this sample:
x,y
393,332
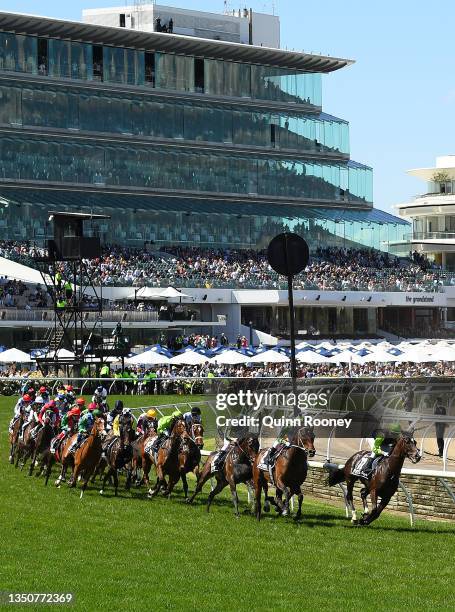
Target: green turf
x,y
130,553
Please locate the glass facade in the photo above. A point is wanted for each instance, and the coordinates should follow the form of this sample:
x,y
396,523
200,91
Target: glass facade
x,y
251,139
81,162
177,221
47,105
69,60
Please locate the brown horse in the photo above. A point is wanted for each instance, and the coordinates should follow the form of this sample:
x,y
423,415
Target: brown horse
x,y
237,468
288,473
87,456
119,453
13,436
189,458
167,463
384,481
61,455
34,446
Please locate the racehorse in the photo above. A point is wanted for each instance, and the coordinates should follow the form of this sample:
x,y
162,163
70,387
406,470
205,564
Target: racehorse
x,y
189,457
288,473
119,453
14,436
237,468
167,461
384,481
62,455
87,456
34,446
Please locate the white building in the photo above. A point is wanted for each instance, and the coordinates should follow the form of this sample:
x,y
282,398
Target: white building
x,y
432,214
243,26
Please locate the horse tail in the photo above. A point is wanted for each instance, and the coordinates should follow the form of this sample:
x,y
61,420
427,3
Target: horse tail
x,y
336,476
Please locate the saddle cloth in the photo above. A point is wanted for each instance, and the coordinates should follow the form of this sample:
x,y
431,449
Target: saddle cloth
x,y
264,462
218,461
366,463
149,443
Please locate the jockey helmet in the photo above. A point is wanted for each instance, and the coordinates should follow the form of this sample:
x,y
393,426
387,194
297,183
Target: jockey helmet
x,y
176,414
74,412
97,413
195,411
69,387
51,403
42,390
60,396
92,406
80,401
118,405
126,411
151,413
99,389
26,397
39,400
395,428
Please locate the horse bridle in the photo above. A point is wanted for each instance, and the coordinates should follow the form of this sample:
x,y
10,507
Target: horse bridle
x,y
299,444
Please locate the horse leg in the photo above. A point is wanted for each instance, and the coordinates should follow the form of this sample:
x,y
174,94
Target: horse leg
x,y
279,507
115,475
287,499
364,496
173,480
129,476
47,475
159,482
106,477
184,483
299,494
203,477
258,487
146,466
218,488
235,498
376,508
350,498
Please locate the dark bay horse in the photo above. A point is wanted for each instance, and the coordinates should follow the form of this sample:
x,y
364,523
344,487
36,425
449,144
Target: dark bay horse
x,y
167,462
119,453
384,481
87,456
289,472
34,446
189,458
237,468
13,436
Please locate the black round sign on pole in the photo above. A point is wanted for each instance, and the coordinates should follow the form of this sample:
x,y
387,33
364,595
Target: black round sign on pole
x,y
288,254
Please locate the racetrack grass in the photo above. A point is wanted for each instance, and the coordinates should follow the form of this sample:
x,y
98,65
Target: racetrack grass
x,y
131,553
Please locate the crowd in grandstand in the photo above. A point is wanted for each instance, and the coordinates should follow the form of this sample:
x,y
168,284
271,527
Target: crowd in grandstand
x,y
331,268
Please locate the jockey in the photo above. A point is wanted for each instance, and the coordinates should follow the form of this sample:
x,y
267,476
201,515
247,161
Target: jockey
x,y
86,421
281,441
192,417
61,402
69,424
383,444
22,403
165,427
44,393
80,403
114,413
125,414
53,411
146,422
100,395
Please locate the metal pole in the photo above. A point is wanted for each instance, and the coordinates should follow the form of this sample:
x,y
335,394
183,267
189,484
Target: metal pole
x,y
292,337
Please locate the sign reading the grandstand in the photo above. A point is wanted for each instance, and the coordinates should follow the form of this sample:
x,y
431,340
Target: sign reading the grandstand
x,y
420,299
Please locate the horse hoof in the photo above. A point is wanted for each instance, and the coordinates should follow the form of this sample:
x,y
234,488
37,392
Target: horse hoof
x,y
101,492
266,507
82,493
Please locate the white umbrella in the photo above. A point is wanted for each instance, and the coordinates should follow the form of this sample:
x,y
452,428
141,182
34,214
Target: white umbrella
x,y
379,356
270,357
230,357
14,355
147,358
346,357
311,357
170,292
189,358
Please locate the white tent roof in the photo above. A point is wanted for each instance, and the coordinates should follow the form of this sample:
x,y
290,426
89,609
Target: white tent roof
x,y
144,293
189,358
61,353
170,292
230,357
311,357
14,355
147,358
270,357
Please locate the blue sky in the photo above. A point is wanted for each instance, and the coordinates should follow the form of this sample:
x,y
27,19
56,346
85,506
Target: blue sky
x,y
399,96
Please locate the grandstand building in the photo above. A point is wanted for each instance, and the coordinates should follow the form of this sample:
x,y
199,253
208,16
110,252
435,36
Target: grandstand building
x,y
197,137
432,215
196,130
